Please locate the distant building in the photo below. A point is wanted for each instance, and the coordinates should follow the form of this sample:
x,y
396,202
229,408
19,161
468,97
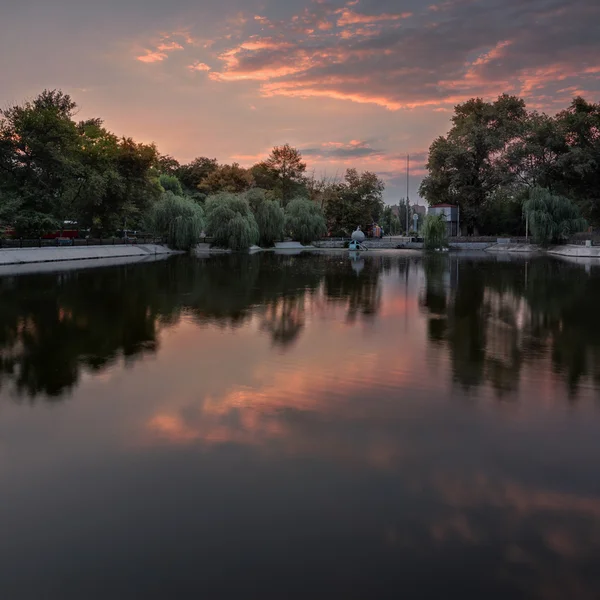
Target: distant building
x,y
419,209
451,213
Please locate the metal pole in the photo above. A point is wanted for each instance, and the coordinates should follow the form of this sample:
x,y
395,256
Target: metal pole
x,y
407,181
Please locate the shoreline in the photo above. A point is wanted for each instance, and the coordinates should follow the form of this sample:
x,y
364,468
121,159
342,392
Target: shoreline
x,y
24,256
29,260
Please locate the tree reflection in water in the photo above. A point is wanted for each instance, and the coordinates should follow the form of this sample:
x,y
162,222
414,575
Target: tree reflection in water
x,y
493,317
54,325
497,316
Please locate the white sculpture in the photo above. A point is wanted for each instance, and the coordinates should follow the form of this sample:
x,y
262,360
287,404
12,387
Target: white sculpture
x,y
358,235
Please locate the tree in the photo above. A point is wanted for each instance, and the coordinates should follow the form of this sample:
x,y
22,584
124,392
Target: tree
x,y
502,213
304,221
115,180
322,191
194,173
552,218
179,220
170,183
230,222
227,178
38,166
286,167
266,178
167,164
464,166
390,222
358,201
579,178
269,216
137,189
434,231
53,169
532,158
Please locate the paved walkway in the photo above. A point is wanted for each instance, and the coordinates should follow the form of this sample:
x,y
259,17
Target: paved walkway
x,y
20,256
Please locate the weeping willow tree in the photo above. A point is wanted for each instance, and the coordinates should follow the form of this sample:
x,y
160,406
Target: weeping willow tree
x,y
230,222
269,216
552,219
434,232
178,219
304,221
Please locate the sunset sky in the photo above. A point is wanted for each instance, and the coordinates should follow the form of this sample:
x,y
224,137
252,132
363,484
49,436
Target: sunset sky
x,y
351,83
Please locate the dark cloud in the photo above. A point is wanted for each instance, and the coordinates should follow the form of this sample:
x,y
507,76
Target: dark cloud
x,y
339,151
440,55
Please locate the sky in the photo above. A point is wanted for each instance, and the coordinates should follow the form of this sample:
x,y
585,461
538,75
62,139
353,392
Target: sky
x,y
359,83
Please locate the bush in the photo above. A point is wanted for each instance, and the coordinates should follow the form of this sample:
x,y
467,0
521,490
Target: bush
x,y
230,222
434,232
304,221
552,219
29,224
180,220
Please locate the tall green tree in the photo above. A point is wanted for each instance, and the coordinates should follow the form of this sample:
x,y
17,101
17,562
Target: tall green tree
x,y
53,169
532,158
580,165
358,201
232,179
38,161
167,164
193,174
390,222
463,166
286,168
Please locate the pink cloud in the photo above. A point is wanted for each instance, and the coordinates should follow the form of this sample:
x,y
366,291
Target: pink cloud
x,y
169,46
199,66
162,48
349,17
152,56
370,59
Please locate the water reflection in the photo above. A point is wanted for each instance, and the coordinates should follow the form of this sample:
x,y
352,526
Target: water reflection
x,y
284,427
492,316
497,316
54,325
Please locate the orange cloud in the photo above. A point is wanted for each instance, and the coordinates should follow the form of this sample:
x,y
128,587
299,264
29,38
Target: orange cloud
x,y
349,17
169,46
370,59
199,66
152,56
160,52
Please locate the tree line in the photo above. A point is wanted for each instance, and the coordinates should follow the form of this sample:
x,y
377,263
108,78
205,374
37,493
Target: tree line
x,y
55,169
500,160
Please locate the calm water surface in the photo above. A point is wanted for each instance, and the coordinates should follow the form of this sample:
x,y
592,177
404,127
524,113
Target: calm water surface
x,y
301,427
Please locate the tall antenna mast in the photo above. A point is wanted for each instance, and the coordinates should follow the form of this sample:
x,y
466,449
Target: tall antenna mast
x,y
407,180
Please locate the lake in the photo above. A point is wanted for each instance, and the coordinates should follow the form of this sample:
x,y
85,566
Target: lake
x,y
312,426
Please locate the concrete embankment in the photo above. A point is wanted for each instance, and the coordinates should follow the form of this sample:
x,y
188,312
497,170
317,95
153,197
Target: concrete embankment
x,y
576,251
513,249
22,256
